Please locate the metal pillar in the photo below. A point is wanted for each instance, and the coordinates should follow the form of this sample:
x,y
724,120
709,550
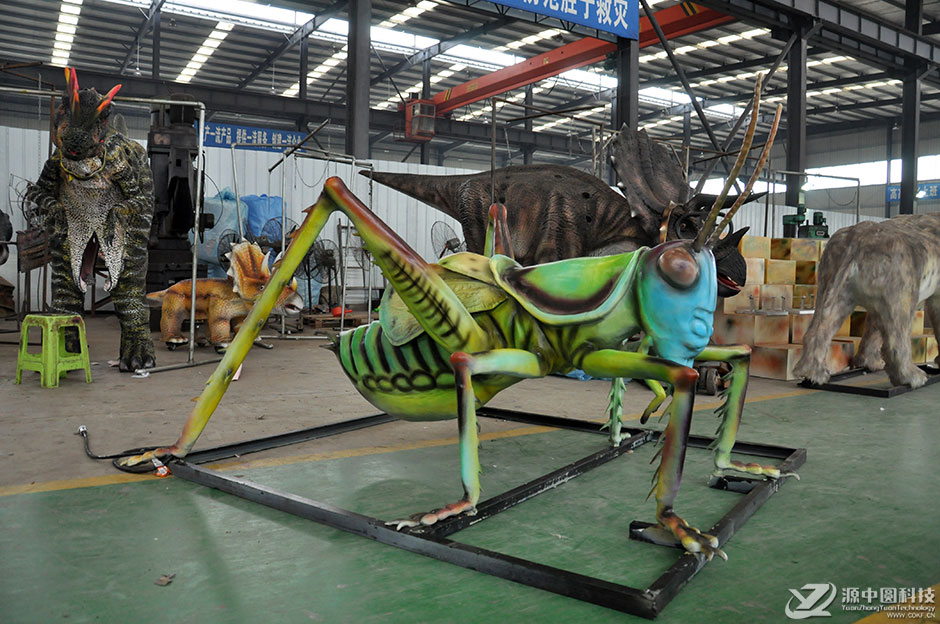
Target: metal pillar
x,y
889,156
910,116
155,47
302,81
796,120
425,95
357,79
528,150
626,109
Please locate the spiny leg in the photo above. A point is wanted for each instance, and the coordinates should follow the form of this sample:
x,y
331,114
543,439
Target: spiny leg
x,y
514,362
425,293
611,363
615,399
739,356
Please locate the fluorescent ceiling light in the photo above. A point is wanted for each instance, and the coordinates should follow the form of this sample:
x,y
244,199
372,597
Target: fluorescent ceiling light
x,y
209,46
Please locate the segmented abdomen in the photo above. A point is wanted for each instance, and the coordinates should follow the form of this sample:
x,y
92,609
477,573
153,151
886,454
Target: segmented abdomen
x,y
414,380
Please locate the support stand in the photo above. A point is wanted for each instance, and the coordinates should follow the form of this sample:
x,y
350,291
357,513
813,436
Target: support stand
x,y
433,541
833,385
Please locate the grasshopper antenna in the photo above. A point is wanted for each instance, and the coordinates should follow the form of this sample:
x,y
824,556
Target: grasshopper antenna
x,y
706,231
713,239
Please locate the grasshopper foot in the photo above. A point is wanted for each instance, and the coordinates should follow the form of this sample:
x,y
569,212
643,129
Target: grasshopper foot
x,y
133,460
731,466
693,540
432,517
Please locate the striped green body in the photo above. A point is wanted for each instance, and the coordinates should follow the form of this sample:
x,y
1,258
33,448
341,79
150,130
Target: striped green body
x,y
415,381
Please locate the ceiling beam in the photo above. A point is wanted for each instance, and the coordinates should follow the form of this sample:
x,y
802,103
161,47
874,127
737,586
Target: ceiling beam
x,y
679,109
142,31
844,29
441,47
259,104
295,37
675,21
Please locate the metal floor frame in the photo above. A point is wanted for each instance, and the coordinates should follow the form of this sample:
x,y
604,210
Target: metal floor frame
x,y
833,385
434,541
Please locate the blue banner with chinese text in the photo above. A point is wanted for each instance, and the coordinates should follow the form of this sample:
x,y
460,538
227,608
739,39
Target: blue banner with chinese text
x,y
925,190
223,135
619,17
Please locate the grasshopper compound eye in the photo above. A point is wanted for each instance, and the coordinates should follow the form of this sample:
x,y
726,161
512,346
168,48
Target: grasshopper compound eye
x,y
678,267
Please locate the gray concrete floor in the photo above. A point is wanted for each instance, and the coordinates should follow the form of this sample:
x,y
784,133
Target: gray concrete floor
x,y
295,385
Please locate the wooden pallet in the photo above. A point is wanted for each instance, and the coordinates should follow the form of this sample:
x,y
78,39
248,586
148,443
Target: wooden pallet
x,y
323,321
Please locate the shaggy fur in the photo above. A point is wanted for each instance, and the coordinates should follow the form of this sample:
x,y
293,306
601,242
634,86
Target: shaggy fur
x,y
888,268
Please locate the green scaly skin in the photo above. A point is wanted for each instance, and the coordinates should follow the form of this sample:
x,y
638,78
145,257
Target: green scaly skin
x,y
477,325
105,187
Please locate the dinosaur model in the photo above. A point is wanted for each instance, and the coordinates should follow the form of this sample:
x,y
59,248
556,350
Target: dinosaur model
x,y
456,333
97,193
888,268
222,302
557,212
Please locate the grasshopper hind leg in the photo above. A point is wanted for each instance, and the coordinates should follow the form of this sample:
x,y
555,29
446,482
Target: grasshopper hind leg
x,y
510,362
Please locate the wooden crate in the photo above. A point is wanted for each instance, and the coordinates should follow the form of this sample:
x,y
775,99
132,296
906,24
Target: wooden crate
x,y
754,246
755,271
805,271
741,301
779,272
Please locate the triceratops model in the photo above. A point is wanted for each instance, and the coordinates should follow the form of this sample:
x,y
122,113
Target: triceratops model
x,y
888,268
456,333
557,212
97,193
221,302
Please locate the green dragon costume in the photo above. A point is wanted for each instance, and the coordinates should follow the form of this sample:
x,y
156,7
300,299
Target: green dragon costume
x,y
97,194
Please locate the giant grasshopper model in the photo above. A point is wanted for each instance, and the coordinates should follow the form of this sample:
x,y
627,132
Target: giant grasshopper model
x,y
454,334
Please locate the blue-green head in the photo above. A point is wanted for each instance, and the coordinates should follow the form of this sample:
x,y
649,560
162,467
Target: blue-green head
x,y
676,293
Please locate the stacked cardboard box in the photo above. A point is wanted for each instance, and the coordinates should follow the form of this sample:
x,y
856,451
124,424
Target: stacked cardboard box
x,y
781,281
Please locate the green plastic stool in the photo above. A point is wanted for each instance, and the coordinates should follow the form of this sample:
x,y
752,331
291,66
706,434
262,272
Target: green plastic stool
x,y
53,361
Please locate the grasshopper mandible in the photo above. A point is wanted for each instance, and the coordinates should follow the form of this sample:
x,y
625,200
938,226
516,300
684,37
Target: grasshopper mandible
x,y
453,334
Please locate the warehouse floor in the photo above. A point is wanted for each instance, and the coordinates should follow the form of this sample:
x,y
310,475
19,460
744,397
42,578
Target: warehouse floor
x,y
82,542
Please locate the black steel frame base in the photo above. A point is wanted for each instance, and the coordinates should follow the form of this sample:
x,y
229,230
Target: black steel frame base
x,y
933,376
433,541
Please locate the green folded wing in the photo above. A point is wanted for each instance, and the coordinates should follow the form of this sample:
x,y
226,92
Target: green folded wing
x,y
571,291
401,326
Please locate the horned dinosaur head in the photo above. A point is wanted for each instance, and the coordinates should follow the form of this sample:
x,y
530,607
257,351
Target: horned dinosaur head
x,y
677,282
250,273
81,120
651,177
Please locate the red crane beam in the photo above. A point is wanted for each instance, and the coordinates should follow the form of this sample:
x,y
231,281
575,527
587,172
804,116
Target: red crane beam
x,y
678,20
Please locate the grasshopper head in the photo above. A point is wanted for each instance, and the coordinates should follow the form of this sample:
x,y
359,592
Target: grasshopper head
x,y
677,291
677,286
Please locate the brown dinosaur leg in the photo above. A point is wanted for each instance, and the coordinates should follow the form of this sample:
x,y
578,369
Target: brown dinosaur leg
x,y
171,321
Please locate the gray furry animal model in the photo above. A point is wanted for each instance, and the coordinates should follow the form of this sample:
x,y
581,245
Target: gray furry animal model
x,y
888,268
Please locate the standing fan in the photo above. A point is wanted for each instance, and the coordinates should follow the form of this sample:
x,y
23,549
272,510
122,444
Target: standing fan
x,y
320,263
444,240
270,236
227,240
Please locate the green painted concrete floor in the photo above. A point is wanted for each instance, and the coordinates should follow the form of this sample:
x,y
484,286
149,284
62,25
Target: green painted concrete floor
x,y
865,514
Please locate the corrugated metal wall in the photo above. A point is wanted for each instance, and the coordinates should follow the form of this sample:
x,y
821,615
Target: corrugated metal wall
x,y
25,151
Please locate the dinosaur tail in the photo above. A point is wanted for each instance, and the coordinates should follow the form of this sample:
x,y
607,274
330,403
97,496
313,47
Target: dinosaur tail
x,y
439,191
156,298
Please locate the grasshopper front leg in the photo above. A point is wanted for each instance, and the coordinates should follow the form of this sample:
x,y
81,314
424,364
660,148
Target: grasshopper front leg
x,y
432,302
612,363
512,362
739,356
